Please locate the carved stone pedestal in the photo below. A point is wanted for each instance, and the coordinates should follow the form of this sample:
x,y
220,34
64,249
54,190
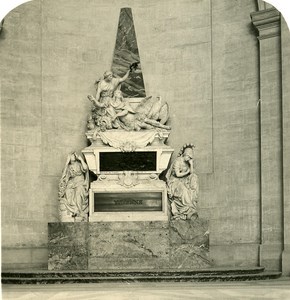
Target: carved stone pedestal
x,y
189,242
128,165
128,245
128,197
155,245
67,246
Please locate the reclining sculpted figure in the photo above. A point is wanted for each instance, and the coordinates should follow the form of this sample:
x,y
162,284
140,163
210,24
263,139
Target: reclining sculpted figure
x,y
116,112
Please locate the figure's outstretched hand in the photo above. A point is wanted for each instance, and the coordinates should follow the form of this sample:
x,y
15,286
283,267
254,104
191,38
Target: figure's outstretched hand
x,y
134,66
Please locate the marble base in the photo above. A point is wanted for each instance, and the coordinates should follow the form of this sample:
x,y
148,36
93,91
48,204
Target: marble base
x,y
130,245
67,246
174,245
189,242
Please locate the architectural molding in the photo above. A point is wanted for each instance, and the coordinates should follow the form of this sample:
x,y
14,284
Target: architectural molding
x,y
263,5
268,25
267,22
285,60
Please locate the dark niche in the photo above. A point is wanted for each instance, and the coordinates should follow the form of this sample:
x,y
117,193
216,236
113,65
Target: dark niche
x,y
127,161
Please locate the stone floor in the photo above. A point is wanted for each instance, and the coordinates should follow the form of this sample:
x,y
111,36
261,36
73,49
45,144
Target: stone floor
x,y
266,290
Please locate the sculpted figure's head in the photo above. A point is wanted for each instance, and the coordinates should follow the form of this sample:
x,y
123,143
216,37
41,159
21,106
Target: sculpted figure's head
x,y
118,94
188,154
108,76
73,157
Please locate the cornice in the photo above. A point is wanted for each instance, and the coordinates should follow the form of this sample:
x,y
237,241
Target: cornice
x,y
267,22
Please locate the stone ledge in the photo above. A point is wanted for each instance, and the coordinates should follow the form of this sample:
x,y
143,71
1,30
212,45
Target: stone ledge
x,y
267,23
137,272
145,276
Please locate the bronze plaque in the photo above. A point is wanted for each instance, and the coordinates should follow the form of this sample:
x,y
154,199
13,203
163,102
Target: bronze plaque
x,y
134,201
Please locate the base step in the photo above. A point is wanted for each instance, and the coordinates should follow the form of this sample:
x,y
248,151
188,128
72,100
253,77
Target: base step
x,y
208,275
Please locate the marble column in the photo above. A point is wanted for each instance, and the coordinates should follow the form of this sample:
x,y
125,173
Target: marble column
x,y
267,23
285,44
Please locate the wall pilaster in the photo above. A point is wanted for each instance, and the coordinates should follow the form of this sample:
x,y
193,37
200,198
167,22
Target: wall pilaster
x,y
285,44
267,23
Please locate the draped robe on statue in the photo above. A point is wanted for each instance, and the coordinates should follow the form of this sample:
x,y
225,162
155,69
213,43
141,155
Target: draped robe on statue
x,y
75,182
182,191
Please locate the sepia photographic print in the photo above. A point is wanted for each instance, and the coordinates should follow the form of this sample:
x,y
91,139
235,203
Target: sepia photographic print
x,y
145,149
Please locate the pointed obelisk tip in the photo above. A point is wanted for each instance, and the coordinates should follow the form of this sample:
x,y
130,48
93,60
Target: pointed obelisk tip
x,y
126,55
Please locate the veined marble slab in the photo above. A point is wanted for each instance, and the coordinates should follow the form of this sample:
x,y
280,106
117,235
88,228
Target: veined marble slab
x,y
126,52
147,245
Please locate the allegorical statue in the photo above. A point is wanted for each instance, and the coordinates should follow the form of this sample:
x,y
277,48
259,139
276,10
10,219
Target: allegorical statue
x,y
182,185
112,111
107,85
73,190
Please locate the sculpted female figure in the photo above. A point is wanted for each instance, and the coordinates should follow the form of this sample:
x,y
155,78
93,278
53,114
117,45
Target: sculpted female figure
x,y
112,111
182,185
119,114
103,112
73,190
107,85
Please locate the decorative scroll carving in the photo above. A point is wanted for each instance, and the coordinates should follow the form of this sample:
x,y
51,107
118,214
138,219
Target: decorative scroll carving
x,y
127,141
128,179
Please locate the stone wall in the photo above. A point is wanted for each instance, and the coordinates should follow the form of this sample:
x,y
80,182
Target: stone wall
x,y
23,206
286,143
233,199
200,55
267,23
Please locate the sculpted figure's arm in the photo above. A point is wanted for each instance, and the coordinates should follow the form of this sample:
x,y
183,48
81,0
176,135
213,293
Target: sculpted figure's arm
x,y
98,94
190,166
182,174
96,102
122,79
84,165
84,169
64,172
178,172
